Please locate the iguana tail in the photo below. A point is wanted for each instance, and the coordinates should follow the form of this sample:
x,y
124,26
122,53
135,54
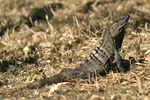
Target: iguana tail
x,y
61,77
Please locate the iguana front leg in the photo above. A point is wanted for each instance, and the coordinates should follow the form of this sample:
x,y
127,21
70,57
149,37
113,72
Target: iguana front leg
x,y
119,62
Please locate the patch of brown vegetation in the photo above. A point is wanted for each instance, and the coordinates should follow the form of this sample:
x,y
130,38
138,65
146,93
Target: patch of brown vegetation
x,y
32,49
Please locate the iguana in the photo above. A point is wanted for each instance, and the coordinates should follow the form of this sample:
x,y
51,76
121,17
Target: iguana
x,y
98,62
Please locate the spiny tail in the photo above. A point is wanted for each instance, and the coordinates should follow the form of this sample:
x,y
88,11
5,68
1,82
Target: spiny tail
x,y
61,77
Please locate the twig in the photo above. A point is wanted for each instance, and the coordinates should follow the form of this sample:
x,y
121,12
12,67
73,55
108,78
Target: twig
x,y
136,8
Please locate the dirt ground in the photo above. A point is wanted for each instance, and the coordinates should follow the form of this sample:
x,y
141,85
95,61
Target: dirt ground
x,y
41,37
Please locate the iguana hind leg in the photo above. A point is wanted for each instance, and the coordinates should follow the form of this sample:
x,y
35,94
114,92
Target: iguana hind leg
x,y
119,62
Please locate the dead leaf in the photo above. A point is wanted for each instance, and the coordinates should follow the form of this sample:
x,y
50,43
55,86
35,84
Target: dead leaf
x,y
117,88
119,8
79,46
47,45
139,67
41,95
141,91
129,36
62,97
95,97
55,87
146,98
139,29
138,78
145,47
132,81
124,83
72,82
112,97
148,51
24,12
34,72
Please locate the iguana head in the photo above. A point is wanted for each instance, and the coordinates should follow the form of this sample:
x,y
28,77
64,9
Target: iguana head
x,y
117,30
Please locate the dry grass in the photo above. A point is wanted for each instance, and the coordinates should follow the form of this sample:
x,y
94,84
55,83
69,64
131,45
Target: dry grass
x,y
63,41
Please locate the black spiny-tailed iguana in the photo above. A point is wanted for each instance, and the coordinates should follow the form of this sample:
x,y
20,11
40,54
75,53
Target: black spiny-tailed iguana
x,y
98,62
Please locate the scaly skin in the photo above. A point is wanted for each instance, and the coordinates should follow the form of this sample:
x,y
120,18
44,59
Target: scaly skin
x,y
98,62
